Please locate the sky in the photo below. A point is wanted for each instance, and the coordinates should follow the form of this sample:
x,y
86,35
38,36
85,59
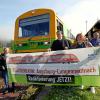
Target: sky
x,y
77,15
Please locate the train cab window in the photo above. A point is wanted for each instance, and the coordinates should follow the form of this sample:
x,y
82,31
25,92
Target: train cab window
x,y
34,26
59,26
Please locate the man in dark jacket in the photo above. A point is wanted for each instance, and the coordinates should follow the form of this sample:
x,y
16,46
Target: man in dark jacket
x,y
60,43
3,67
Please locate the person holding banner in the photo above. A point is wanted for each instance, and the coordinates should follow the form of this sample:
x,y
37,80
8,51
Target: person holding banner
x,y
87,43
96,39
81,42
60,43
4,68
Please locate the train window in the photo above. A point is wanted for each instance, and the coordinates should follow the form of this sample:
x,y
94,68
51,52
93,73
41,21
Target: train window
x,y
34,26
59,26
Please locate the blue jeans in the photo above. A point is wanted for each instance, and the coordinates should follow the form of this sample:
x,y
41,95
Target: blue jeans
x,y
5,77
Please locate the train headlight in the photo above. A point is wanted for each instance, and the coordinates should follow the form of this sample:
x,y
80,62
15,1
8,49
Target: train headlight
x,y
20,44
46,43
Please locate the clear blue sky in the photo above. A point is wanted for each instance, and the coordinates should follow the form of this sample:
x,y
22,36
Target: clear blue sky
x,y
69,10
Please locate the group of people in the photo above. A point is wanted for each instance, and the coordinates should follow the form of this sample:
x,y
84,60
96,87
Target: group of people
x,y
81,41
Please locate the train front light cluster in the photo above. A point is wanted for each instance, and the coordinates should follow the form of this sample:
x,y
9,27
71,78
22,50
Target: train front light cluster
x,y
46,43
20,45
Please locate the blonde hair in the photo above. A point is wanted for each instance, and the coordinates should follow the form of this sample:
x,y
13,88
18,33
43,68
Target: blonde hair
x,y
6,50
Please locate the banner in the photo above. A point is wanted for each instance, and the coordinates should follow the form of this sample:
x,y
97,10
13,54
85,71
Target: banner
x,y
49,67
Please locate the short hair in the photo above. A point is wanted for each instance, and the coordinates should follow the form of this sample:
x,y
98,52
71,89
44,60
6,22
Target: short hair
x,y
59,32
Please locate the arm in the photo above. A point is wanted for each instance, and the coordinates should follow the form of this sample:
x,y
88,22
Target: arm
x,y
53,46
67,44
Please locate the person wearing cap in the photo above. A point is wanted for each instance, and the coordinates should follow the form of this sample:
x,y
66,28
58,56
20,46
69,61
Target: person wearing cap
x,y
60,43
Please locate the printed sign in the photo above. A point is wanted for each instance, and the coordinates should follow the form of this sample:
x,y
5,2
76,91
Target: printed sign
x,y
50,79
51,65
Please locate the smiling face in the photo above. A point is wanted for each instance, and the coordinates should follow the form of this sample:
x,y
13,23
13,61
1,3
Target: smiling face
x,y
80,38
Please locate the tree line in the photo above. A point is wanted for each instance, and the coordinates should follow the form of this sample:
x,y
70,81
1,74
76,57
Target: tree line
x,y
5,43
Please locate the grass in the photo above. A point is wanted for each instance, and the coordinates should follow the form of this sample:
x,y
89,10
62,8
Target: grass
x,y
29,93
1,49
60,93
72,93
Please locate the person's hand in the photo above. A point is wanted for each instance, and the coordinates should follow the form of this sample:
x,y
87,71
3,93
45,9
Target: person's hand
x,y
49,49
3,67
66,48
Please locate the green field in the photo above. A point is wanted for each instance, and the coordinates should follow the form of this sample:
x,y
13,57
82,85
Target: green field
x,y
0,49
72,93
61,93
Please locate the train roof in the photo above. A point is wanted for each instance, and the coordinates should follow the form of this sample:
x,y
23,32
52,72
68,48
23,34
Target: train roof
x,y
95,27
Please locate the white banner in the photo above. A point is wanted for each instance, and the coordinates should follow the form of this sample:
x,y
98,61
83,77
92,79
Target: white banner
x,y
85,61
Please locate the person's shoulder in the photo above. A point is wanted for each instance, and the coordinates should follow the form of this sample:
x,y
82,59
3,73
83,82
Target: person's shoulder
x,y
55,41
2,55
93,39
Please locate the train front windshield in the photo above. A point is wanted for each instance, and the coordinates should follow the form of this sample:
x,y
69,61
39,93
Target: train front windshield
x,y
34,26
